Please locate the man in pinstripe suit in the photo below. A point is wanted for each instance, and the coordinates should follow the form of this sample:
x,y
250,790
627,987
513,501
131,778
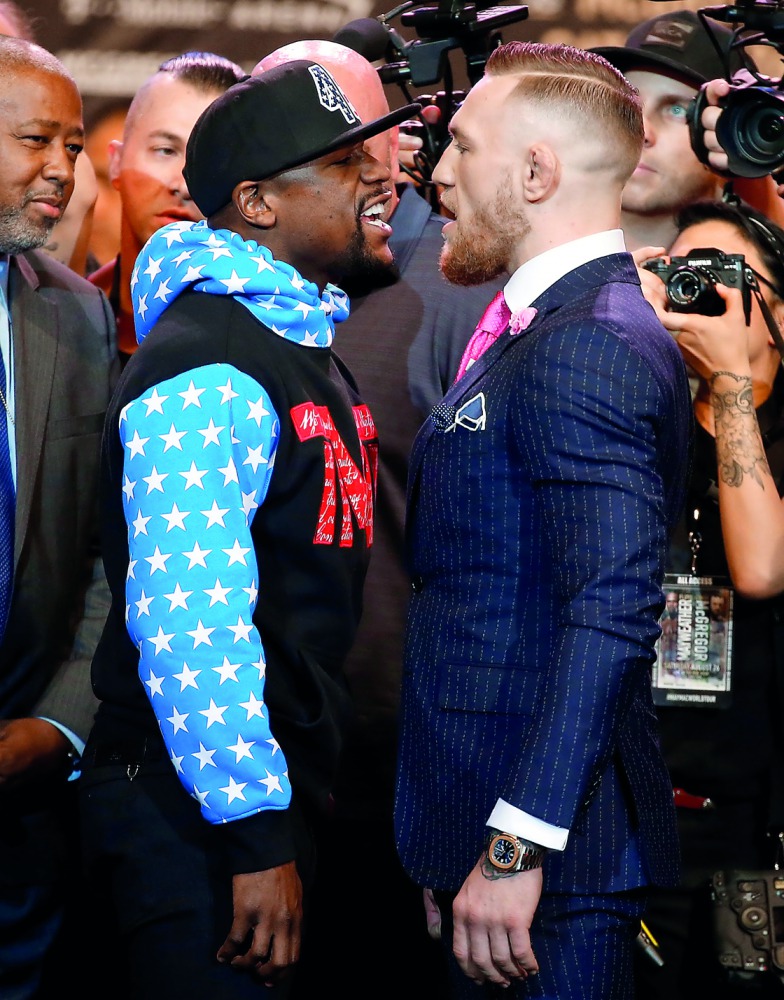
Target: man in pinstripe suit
x,y
532,797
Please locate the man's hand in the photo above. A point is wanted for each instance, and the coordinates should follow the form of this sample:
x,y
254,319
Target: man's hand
x,y
432,914
265,935
30,748
714,92
492,918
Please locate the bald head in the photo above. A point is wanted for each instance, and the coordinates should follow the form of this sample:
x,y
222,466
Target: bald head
x,y
358,80
19,54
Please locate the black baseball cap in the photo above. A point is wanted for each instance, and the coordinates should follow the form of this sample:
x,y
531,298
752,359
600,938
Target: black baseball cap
x,y
289,115
677,42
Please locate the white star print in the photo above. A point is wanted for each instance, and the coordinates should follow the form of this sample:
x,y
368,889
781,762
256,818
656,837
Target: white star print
x,y
242,749
173,438
176,518
257,410
234,789
241,630
154,267
253,707
215,515
155,684
234,283
205,756
178,719
201,797
197,556
226,391
154,402
236,553
194,476
214,713
140,524
191,396
187,677
192,274
157,561
255,458
162,291
161,640
178,598
272,783
201,635
229,473
136,445
218,594
143,604
155,480
128,488
211,433
227,671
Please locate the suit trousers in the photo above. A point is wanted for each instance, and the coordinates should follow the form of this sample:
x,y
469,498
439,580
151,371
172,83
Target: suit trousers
x,y
584,946
155,868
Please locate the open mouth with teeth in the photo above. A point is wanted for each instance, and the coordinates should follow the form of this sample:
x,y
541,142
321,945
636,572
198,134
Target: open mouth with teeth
x,y
372,216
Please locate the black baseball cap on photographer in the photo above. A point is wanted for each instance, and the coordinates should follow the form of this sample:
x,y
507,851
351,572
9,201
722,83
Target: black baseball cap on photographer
x,y
677,42
289,115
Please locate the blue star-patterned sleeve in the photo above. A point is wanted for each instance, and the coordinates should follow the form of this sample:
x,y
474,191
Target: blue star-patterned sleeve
x,y
199,451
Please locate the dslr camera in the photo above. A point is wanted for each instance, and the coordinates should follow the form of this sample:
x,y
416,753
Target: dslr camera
x,y
748,911
690,282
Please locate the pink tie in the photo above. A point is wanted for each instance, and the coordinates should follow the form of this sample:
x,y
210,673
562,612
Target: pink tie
x,y
495,320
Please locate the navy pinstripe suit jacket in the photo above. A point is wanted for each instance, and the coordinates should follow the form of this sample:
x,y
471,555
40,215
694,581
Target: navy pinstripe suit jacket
x,y
540,500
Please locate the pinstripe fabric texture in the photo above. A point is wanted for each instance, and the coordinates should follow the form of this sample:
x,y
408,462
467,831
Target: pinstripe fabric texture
x,y
539,508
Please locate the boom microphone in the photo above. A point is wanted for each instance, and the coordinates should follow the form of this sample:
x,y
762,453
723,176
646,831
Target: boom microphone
x,y
370,38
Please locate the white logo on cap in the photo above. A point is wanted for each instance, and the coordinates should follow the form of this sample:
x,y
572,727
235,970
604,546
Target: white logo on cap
x,y
331,96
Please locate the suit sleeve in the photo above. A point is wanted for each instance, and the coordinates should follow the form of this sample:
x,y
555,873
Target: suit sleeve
x,y
600,499
68,699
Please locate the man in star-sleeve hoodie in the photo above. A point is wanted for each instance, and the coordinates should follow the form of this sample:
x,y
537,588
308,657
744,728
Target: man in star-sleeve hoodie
x,y
239,473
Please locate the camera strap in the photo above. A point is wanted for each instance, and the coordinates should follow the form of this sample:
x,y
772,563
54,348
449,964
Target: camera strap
x,y
772,325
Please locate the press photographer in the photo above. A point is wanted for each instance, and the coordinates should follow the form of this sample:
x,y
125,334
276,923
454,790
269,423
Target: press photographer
x,y
737,124
719,713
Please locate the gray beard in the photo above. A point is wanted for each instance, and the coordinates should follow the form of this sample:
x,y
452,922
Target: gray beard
x,y
17,235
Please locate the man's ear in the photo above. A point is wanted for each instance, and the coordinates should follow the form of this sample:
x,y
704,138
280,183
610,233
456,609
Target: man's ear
x,y
115,162
541,173
253,203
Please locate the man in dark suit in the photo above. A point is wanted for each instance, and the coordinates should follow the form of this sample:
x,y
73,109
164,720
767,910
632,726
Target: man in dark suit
x,y
56,346
541,491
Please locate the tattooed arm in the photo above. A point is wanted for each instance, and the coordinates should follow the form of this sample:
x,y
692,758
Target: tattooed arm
x,y
752,515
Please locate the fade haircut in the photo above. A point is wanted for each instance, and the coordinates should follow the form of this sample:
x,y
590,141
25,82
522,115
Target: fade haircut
x,y
586,89
205,72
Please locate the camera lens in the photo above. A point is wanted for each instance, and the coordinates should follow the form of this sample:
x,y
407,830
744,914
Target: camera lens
x,y
751,130
761,133
686,285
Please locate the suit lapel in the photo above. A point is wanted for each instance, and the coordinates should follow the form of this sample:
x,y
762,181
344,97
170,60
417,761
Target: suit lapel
x,y
35,329
615,267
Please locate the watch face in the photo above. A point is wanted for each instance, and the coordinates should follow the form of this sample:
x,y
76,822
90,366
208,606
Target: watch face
x,y
503,852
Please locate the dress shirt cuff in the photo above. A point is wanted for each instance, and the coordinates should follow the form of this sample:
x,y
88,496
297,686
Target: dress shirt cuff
x,y
510,819
75,742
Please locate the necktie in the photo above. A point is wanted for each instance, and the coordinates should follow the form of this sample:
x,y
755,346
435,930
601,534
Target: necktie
x,y
495,320
7,502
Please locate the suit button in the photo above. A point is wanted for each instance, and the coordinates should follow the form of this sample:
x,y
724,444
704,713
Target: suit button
x,y
417,584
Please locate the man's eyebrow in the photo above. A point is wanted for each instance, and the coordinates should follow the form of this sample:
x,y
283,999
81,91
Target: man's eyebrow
x,y
49,123
161,133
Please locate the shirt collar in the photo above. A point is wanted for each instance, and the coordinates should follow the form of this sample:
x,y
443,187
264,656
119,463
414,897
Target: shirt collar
x,y
534,277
